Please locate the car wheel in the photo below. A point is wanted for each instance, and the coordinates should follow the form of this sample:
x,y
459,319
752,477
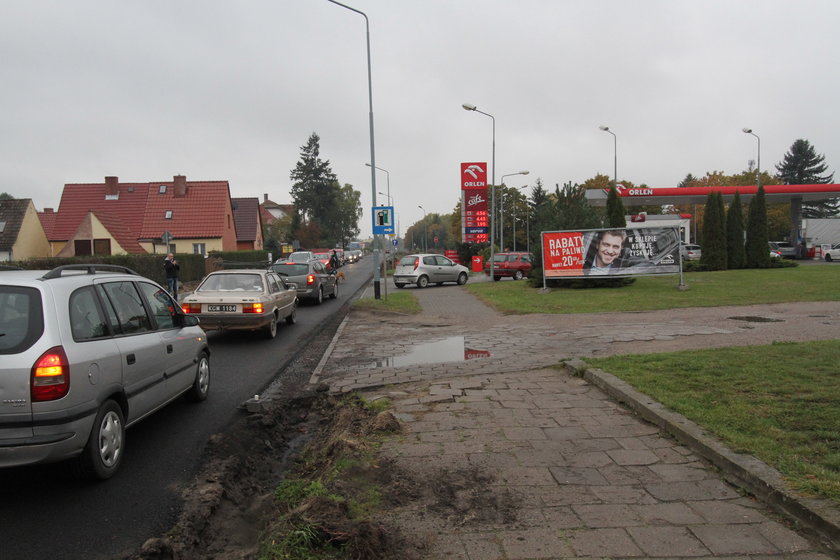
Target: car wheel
x,y
462,278
828,258
201,385
399,286
496,278
271,329
103,452
291,318
518,275
334,293
423,281
319,299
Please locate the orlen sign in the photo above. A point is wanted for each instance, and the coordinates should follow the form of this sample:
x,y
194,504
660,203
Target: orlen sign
x,y
474,175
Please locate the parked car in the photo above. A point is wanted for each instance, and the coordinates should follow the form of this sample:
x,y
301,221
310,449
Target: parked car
x,y
774,252
690,252
832,254
244,299
312,279
422,269
86,351
516,265
785,249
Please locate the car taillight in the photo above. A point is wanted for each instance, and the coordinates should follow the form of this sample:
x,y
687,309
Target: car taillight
x,y
252,308
50,376
416,263
191,307
310,279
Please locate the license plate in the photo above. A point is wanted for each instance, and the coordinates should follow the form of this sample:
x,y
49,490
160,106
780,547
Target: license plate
x,y
212,308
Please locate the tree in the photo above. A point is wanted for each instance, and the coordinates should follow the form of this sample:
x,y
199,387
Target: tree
x,y
315,188
615,210
735,234
6,196
349,211
802,166
757,250
714,233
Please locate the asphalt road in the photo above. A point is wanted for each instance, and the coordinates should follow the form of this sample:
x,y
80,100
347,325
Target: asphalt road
x,y
45,513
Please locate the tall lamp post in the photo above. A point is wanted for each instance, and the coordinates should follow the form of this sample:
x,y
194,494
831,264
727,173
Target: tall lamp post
x,y
387,179
502,209
758,161
376,277
615,154
425,231
471,107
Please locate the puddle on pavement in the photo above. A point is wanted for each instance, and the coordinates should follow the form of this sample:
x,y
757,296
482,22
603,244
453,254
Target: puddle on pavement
x,y
452,349
755,319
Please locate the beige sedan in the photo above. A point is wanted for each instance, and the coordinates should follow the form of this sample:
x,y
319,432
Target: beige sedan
x,y
249,299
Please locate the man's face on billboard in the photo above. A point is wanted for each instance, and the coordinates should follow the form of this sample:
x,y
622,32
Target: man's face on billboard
x,y
608,249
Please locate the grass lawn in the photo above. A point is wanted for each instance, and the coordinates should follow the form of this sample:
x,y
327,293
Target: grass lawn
x,y
781,402
705,289
400,302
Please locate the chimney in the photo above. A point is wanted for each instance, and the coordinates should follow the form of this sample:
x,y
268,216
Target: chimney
x,y
112,186
180,186
265,197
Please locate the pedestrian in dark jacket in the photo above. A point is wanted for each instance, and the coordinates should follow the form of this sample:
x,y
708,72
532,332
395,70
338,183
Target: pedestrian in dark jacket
x,y
170,265
334,264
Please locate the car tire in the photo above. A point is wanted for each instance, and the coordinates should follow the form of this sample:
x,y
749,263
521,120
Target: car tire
x,y
319,299
399,286
462,278
496,278
291,318
271,329
201,385
423,281
518,275
828,258
103,452
334,293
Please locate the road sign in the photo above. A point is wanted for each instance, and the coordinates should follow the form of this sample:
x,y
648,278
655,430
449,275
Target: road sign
x,y
383,219
395,242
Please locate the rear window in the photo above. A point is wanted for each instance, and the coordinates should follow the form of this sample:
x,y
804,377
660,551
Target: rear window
x,y
408,261
21,318
295,269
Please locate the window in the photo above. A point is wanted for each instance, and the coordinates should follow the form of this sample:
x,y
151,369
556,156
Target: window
x,y
163,308
86,319
199,248
128,306
82,247
273,287
162,189
21,318
2,226
101,246
168,215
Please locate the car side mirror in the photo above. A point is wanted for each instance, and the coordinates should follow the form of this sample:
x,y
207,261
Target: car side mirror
x,y
291,285
190,321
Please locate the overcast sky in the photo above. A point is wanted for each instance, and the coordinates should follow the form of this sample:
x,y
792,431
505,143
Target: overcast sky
x,y
221,90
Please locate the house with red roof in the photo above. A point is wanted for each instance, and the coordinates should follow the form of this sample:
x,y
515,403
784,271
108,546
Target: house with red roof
x,y
248,220
113,218
21,234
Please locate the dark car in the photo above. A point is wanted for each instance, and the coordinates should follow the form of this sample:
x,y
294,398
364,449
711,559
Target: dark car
x,y
312,278
785,249
516,265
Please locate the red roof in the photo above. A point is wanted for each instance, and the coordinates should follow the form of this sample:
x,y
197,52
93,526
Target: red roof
x,y
246,218
47,218
200,213
120,231
79,199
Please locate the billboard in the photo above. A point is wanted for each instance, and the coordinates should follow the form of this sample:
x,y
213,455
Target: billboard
x,y
475,215
611,252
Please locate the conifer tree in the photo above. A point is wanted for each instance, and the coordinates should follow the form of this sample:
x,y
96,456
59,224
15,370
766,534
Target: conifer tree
x,y
714,233
735,234
615,210
757,250
802,165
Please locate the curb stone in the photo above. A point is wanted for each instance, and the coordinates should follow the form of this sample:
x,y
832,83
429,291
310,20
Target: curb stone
x,y
745,471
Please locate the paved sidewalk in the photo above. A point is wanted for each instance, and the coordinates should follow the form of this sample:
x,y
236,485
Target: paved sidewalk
x,y
543,463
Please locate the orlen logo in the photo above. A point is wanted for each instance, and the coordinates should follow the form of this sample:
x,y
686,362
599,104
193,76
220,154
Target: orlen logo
x,y
473,175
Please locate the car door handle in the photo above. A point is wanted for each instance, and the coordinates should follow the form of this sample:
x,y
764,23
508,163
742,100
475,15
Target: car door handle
x,y
168,348
130,359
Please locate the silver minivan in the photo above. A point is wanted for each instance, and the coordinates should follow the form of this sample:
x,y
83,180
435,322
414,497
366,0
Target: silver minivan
x,y
85,352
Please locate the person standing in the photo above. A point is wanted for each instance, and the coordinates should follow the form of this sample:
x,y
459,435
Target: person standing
x,y
334,262
170,265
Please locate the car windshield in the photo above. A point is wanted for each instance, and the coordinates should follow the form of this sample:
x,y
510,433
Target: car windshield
x,y
300,257
291,269
232,283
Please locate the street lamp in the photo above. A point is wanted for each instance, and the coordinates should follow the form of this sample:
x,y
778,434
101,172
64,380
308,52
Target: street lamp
x,y
502,209
425,230
376,277
615,153
471,107
388,182
758,162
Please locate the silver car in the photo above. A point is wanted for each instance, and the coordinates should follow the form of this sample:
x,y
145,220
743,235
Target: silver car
x,y
423,269
312,279
85,352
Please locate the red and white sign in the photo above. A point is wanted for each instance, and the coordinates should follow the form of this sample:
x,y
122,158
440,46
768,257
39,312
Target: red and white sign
x,y
563,254
474,175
